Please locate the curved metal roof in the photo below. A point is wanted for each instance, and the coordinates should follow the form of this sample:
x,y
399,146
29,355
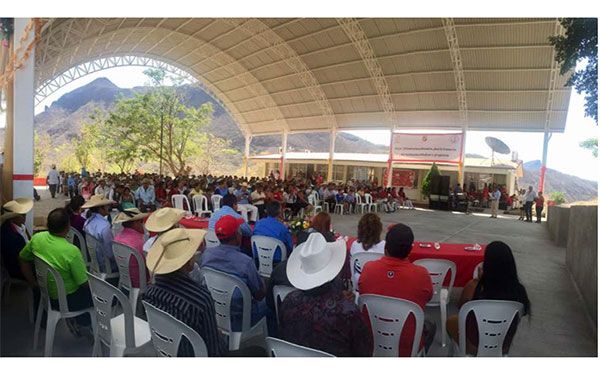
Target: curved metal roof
x,y
319,74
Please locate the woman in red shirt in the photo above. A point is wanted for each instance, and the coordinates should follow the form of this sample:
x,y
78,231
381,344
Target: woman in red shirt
x,y
539,206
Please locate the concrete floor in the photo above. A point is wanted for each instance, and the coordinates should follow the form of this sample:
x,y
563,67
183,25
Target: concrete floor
x,y
558,326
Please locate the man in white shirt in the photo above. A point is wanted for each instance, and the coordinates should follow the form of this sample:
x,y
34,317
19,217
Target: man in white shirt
x,y
258,199
529,198
495,197
102,189
53,179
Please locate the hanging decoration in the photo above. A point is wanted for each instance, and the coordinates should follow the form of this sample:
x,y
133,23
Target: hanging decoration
x,y
22,51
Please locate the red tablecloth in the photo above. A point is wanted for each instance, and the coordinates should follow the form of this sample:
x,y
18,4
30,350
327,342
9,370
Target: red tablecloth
x,y
194,223
465,261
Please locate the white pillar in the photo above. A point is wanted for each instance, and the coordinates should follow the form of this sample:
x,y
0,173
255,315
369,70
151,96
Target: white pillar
x,y
332,136
461,163
390,166
284,138
23,109
547,137
248,140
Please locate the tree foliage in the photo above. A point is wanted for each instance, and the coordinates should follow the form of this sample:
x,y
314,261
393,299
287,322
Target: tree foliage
x,y
580,43
85,145
134,127
591,144
42,144
426,184
558,197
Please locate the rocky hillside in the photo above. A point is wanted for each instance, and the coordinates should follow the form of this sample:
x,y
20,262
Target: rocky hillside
x,y
575,188
63,118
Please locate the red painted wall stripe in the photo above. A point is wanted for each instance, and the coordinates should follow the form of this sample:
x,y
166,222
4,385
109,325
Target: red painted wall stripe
x,y
22,177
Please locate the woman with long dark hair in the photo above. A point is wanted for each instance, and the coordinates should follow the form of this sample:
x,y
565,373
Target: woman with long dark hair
x,y
369,235
74,211
498,280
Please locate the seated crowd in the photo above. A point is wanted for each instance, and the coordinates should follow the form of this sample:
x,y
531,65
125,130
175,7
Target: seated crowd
x,y
321,313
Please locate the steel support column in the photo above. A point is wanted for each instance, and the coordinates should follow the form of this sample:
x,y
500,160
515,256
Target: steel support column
x,y
248,140
461,164
23,109
284,139
332,136
390,158
547,137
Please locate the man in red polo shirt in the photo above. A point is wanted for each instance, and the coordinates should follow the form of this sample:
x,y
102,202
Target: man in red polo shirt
x,y
394,276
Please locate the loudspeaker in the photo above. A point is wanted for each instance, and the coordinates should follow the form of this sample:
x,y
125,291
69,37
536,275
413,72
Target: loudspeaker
x,y
444,185
434,185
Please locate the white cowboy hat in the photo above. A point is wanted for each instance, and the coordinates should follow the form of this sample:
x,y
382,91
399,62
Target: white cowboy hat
x,y
131,214
164,219
97,201
173,249
16,207
315,262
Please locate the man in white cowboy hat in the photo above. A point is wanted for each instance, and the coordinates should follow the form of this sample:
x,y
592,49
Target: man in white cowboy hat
x,y
14,236
161,221
321,315
170,261
132,235
99,227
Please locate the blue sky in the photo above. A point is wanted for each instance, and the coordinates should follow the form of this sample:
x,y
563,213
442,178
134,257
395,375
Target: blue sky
x,y
564,153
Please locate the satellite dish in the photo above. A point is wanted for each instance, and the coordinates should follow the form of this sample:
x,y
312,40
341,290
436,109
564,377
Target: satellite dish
x,y
497,145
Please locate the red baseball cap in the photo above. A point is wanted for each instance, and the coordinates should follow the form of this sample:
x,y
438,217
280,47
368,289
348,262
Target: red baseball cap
x,y
227,226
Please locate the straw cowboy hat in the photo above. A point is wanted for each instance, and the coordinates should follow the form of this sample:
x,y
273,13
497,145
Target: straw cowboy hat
x,y
128,215
97,201
164,219
16,207
173,249
315,262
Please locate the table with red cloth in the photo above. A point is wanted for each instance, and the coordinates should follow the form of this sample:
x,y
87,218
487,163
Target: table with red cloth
x,y
194,222
465,260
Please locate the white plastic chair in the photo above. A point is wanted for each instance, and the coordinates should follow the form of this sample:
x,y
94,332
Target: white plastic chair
x,y
201,205
360,204
178,201
476,270
357,262
281,348
167,332
76,238
222,287
340,206
118,333
312,200
438,269
279,294
494,318
92,245
215,199
42,269
123,255
211,239
263,249
388,316
370,204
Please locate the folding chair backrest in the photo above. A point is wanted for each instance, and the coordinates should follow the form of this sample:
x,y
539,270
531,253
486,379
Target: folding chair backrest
x,y
281,348
52,282
264,249
123,254
92,246
358,198
215,199
368,198
388,316
76,238
167,332
211,239
103,295
178,201
358,260
200,203
279,294
222,287
494,318
438,270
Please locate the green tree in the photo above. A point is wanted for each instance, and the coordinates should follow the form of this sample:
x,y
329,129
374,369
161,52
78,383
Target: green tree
x,y
558,197
426,184
580,44
591,144
42,144
85,145
137,127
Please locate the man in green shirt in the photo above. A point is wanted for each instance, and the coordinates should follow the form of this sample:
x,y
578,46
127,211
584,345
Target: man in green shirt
x,y
64,257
